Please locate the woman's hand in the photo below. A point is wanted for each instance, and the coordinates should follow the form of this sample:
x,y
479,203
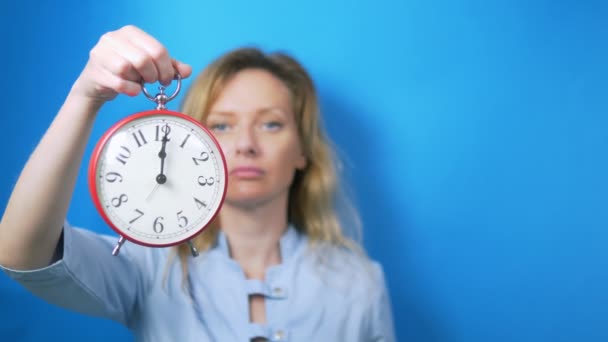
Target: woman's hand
x,y
35,214
121,60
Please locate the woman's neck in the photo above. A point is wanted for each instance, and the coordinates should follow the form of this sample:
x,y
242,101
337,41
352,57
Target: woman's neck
x,y
253,235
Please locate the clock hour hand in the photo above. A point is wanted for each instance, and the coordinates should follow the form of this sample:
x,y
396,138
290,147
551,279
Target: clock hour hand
x,y
161,178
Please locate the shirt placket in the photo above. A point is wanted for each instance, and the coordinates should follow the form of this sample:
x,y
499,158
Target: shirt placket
x,y
274,293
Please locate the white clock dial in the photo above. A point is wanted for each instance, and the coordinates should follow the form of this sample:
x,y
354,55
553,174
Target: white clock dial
x,y
160,179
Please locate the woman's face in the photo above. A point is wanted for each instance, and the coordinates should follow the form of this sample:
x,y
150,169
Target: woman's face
x,y
255,125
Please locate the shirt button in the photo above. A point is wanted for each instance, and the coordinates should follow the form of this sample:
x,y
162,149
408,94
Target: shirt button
x,y
277,291
279,335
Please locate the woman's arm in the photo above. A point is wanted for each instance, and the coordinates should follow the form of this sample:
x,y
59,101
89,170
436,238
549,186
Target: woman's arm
x,y
36,210
382,328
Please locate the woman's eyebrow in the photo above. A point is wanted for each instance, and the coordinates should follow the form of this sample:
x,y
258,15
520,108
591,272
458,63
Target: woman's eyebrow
x,y
220,113
272,110
260,111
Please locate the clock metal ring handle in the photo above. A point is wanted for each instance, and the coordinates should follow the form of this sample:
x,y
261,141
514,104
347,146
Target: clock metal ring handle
x,y
161,98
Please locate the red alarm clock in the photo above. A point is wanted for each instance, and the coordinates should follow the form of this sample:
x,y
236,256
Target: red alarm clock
x,y
158,177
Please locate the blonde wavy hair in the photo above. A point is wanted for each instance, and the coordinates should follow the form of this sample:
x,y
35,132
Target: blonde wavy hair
x,y
314,194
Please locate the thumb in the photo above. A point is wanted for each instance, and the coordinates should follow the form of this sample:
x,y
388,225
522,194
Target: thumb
x,y
183,69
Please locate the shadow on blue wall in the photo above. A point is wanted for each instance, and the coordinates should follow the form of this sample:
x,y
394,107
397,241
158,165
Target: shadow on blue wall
x,y
414,319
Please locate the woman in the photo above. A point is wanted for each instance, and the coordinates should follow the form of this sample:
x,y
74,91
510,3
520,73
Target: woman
x,y
275,264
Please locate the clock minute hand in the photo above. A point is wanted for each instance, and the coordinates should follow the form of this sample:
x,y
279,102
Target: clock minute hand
x,y
161,178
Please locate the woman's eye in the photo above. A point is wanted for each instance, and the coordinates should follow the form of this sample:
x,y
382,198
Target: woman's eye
x,y
219,127
272,125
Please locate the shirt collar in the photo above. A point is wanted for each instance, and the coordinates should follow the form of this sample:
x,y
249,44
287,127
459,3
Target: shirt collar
x,y
287,244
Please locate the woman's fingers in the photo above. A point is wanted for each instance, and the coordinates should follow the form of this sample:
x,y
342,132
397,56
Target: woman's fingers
x,y
183,69
155,52
131,58
122,59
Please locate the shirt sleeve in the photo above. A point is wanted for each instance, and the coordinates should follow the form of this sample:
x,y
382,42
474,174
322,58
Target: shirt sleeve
x,y
88,278
382,328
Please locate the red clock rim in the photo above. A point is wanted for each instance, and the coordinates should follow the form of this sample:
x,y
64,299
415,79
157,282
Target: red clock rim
x,y
92,175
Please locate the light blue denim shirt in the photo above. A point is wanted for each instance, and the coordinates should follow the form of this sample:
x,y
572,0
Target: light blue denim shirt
x,y
315,294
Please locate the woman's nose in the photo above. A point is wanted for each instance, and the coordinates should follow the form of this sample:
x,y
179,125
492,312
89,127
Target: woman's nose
x,y
246,142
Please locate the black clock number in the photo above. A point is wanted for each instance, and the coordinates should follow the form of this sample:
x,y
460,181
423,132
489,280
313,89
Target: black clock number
x,y
158,226
181,218
184,142
204,157
199,203
117,201
123,156
202,181
112,177
139,138
140,214
164,129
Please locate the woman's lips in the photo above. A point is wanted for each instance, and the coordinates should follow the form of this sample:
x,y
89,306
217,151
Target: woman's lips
x,y
247,172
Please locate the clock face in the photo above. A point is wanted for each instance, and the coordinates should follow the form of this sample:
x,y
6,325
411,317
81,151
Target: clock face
x,y
158,178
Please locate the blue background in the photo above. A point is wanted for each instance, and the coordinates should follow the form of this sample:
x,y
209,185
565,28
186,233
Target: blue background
x,y
474,132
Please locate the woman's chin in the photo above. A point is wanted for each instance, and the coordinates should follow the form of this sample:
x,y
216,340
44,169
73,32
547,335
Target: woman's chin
x,y
245,200
250,199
